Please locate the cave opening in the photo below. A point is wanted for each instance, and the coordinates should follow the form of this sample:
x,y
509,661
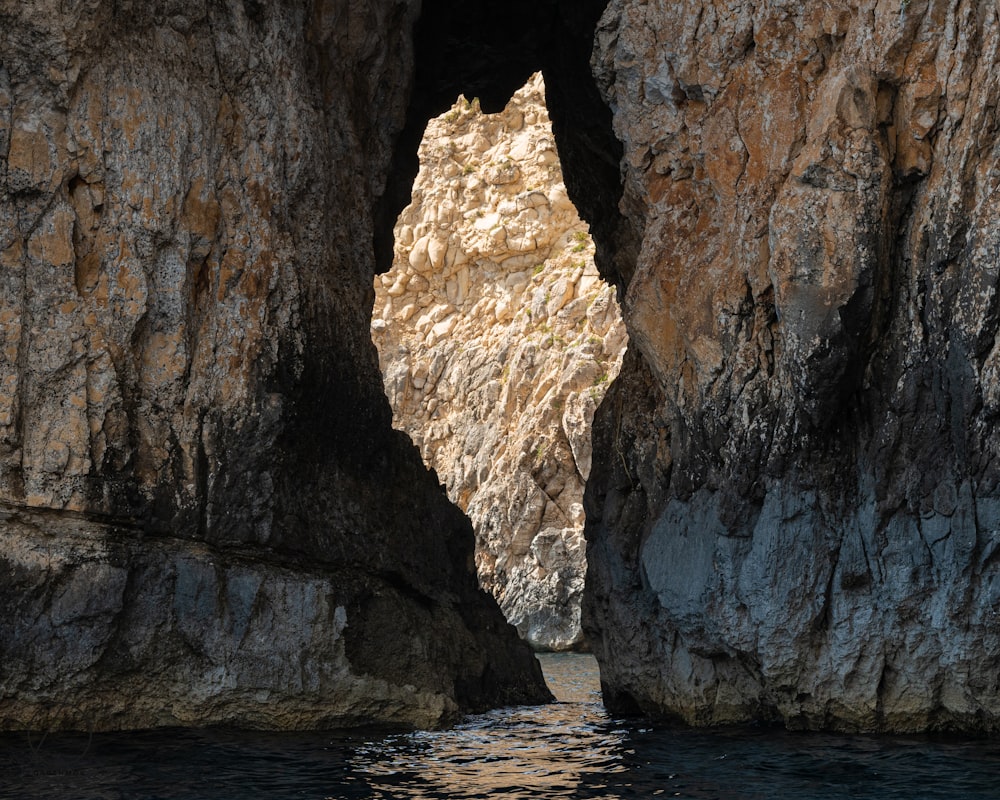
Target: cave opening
x,y
497,340
485,52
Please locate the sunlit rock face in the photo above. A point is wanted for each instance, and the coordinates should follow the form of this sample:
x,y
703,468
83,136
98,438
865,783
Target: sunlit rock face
x,y
497,340
205,515
794,509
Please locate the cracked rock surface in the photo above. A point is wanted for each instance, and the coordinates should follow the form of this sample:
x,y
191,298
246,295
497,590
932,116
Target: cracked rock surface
x,y
206,517
806,523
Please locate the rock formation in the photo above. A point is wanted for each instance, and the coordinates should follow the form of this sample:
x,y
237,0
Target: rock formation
x,y
794,505
497,341
205,515
805,525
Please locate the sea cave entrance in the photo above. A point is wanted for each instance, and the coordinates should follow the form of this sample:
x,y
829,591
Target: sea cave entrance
x,y
497,339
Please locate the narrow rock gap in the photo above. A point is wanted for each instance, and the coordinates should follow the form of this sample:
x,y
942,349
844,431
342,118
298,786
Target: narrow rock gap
x,y
497,340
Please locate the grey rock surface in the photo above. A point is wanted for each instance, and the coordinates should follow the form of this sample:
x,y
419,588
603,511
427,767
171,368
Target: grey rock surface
x,y
792,513
207,518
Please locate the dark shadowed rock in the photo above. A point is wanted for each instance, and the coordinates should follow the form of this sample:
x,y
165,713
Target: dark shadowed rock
x,y
206,515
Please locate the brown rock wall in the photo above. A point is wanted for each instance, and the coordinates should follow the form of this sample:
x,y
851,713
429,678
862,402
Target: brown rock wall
x,y
190,399
804,524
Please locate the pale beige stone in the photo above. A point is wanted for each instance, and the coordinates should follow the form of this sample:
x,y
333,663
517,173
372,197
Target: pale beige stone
x,y
495,360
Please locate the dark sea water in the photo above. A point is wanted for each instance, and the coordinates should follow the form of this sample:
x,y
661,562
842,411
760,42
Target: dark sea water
x,y
571,748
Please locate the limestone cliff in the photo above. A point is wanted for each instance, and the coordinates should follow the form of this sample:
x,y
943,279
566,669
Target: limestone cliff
x,y
794,505
205,515
497,341
806,523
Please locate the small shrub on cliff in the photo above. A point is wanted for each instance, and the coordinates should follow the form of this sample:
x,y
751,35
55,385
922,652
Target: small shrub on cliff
x,y
539,453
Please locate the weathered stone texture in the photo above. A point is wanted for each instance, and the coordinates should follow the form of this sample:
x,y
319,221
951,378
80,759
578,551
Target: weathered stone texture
x,y
189,398
805,523
794,505
497,341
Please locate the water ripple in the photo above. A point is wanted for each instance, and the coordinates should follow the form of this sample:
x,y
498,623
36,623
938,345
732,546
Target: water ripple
x,y
571,748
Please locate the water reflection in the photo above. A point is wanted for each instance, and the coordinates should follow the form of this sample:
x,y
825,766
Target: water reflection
x,y
571,748
529,752
574,749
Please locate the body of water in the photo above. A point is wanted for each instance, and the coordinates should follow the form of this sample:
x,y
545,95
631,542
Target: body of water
x,y
571,748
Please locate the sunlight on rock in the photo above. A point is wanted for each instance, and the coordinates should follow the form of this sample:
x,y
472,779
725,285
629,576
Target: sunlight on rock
x,y
497,340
